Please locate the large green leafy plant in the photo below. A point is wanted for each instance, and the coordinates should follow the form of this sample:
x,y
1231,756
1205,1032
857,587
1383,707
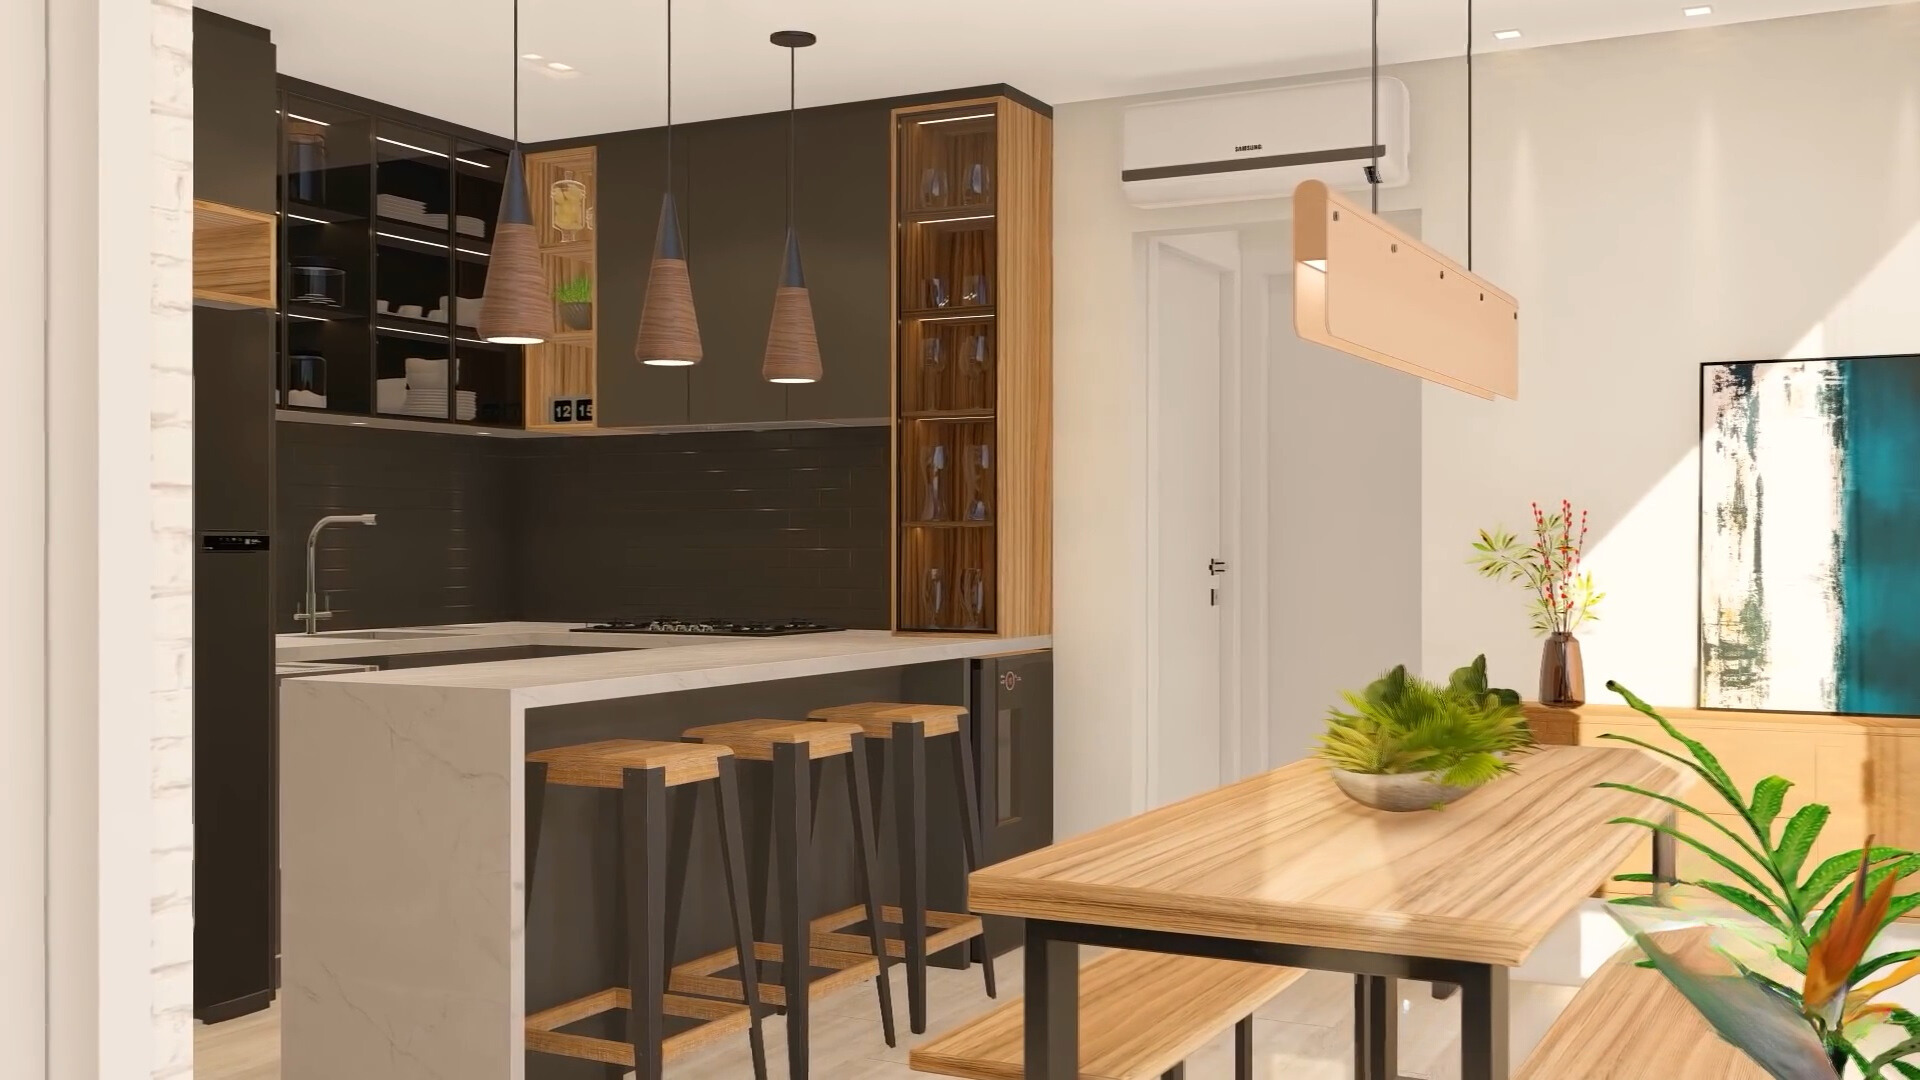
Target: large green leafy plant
x,y
1822,935
1404,724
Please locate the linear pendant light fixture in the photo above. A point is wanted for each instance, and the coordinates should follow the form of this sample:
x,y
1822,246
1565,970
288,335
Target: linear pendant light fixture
x,y
669,328
1367,289
514,309
793,350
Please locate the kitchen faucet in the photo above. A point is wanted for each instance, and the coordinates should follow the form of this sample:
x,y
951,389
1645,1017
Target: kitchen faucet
x,y
312,616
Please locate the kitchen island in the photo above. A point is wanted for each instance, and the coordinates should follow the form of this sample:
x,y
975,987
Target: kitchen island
x,y
405,950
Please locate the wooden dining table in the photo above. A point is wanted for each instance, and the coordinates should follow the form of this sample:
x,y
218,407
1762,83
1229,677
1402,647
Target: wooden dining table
x,y
1282,868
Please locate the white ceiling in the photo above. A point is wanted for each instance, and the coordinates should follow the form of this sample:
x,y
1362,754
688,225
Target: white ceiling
x,y
449,58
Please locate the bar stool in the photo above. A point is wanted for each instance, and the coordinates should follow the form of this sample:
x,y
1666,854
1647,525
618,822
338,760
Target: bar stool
x,y
643,773
796,752
907,727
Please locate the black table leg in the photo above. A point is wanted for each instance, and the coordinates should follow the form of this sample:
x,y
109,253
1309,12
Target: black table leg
x,y
867,856
1243,1049
536,800
1483,1023
1665,871
909,775
792,849
643,808
1376,1028
1178,1072
733,854
971,840
1052,1007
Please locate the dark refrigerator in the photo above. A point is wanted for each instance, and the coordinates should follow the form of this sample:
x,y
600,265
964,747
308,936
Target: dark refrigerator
x,y
233,664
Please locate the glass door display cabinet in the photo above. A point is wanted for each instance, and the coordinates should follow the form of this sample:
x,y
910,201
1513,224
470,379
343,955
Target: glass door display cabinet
x,y
386,242
972,368
562,374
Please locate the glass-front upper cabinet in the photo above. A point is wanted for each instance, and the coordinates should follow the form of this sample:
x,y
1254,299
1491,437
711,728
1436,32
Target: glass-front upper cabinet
x,y
326,277
413,270
487,377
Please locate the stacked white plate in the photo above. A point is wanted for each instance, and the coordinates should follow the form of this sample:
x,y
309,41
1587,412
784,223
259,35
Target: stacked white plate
x,y
427,391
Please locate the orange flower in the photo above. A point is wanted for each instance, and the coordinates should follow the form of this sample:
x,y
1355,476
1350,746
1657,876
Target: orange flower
x,y
1831,961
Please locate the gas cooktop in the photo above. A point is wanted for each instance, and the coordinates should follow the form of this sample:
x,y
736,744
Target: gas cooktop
x,y
716,627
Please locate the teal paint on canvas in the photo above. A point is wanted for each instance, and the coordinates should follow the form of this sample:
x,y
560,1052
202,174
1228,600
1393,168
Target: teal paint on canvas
x,y
1879,669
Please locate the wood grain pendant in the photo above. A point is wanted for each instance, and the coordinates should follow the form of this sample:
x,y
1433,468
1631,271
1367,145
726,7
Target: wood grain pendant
x,y
793,351
669,328
514,309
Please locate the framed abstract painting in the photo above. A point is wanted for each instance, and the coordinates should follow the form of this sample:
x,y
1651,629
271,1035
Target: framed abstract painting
x,y
1810,536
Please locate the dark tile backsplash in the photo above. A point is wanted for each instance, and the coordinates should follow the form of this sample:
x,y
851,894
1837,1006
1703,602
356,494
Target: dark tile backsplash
x,y
741,525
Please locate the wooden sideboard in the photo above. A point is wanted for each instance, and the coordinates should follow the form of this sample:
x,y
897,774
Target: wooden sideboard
x,y
1853,764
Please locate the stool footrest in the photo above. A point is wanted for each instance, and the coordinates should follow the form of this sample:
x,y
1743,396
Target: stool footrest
x,y
701,976
945,929
719,1019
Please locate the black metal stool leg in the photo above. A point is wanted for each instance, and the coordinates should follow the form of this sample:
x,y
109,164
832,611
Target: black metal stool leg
x,y
685,801
792,849
643,810
867,855
909,775
733,851
971,840
1243,1049
536,801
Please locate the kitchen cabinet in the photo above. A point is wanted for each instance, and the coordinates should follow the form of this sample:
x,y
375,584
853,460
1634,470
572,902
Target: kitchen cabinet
x,y
736,218
1012,697
235,133
845,232
632,180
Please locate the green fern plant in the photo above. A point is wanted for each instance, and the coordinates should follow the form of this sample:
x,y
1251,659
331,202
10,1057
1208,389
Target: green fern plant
x,y
575,290
1463,731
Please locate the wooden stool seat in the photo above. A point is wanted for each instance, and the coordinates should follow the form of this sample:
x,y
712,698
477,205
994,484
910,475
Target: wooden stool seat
x,y
754,740
1141,1016
603,764
877,718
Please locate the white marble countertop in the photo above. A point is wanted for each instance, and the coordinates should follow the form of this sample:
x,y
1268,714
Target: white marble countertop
x,y
645,664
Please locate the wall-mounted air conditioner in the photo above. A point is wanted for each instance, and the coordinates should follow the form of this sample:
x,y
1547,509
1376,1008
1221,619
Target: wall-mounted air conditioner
x,y
1260,144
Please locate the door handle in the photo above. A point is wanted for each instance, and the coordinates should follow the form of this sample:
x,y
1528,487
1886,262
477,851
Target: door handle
x,y
1216,566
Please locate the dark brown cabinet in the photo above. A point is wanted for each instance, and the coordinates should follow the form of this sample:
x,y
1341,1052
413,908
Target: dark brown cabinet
x,y
235,132
1012,700
737,218
633,177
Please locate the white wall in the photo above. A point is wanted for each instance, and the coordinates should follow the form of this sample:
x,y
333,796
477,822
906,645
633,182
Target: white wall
x,y
23,653
1739,192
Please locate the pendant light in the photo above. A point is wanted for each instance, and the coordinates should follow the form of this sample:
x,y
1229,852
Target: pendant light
x,y
669,330
793,352
514,309
1367,289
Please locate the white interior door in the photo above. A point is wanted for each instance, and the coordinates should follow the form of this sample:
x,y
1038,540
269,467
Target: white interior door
x,y
1191,285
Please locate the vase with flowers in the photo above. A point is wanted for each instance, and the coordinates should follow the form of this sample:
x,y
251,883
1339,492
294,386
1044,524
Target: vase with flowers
x,y
1561,589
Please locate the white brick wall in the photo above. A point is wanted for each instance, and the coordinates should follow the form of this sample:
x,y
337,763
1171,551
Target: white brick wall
x,y
172,574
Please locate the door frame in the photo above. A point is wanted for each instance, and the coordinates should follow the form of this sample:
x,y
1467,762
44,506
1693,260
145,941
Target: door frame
x,y
1243,686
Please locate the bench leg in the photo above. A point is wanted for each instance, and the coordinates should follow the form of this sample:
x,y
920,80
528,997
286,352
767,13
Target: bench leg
x,y
867,858
1483,1023
733,853
793,853
1052,1036
643,808
910,788
1243,1049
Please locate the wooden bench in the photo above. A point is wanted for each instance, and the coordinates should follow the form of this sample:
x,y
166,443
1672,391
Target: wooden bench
x,y
1141,1016
1629,1023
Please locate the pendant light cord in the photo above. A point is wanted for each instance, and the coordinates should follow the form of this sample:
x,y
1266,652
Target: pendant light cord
x,y
516,74
792,97
1373,177
669,96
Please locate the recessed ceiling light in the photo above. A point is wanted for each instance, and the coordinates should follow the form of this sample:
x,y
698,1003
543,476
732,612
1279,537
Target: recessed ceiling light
x,y
1505,35
531,56
1695,12
558,66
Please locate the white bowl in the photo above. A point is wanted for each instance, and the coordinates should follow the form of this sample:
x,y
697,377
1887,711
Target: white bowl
x,y
1397,793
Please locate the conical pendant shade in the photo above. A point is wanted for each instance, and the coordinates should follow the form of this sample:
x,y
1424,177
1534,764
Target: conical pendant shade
x,y
669,329
514,310
793,352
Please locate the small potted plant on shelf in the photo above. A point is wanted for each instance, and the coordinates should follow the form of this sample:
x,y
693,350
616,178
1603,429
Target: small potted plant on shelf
x,y
1410,744
1563,596
574,300
1779,959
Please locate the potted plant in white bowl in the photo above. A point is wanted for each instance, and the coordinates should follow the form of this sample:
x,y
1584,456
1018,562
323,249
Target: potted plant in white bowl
x,y
1410,744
